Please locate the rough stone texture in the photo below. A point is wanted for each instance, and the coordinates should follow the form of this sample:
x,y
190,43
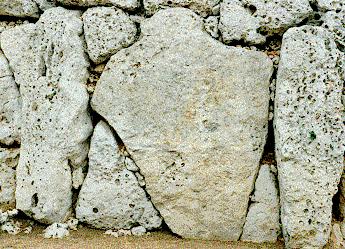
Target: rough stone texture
x,y
50,66
45,4
251,20
10,105
336,239
211,26
309,134
262,222
19,8
330,4
193,114
111,196
8,163
335,23
107,30
124,4
202,7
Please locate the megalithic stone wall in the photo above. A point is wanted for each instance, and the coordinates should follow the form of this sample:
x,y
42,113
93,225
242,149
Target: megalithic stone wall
x,y
220,120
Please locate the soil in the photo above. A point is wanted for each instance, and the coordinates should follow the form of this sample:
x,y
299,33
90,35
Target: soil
x,y
90,238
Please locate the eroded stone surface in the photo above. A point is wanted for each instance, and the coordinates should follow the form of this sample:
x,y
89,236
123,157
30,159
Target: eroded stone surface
x,y
111,197
125,4
202,7
211,26
45,4
10,105
330,4
8,163
252,20
193,114
49,65
262,222
107,30
335,23
309,134
19,8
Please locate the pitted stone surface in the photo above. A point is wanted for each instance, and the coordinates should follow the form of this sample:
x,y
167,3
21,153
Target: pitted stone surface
x,y
45,4
19,8
8,163
10,105
202,7
124,4
262,222
107,30
331,4
335,23
193,114
309,134
49,64
111,197
252,20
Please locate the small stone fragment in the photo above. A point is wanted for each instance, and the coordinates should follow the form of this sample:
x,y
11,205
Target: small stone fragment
x,y
27,230
253,20
77,177
211,26
124,4
8,163
336,239
202,7
262,222
19,8
138,231
309,133
111,233
56,231
111,196
72,223
11,227
107,30
123,232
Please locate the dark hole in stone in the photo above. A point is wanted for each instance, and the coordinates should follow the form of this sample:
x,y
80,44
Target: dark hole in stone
x,y
95,210
34,200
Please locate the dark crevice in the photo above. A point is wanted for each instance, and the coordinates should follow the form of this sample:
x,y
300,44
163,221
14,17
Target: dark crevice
x,y
14,145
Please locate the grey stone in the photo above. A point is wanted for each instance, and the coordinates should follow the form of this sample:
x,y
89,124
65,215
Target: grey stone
x,y
262,222
50,66
107,30
8,163
202,7
192,113
45,4
111,197
335,23
211,26
124,4
138,231
248,20
10,105
309,134
330,4
19,8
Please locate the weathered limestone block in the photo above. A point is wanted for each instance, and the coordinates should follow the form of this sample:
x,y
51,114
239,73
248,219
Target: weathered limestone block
x,y
19,8
193,114
45,4
10,105
50,66
211,26
202,7
107,30
8,163
262,222
309,134
124,4
252,20
111,197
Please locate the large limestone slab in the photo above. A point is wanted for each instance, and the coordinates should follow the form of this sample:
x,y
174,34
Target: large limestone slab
x,y
8,163
262,222
125,4
193,115
202,7
49,65
10,105
309,134
111,197
107,30
252,20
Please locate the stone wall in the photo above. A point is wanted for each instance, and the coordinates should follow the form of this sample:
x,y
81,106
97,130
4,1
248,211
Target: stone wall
x,y
218,119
